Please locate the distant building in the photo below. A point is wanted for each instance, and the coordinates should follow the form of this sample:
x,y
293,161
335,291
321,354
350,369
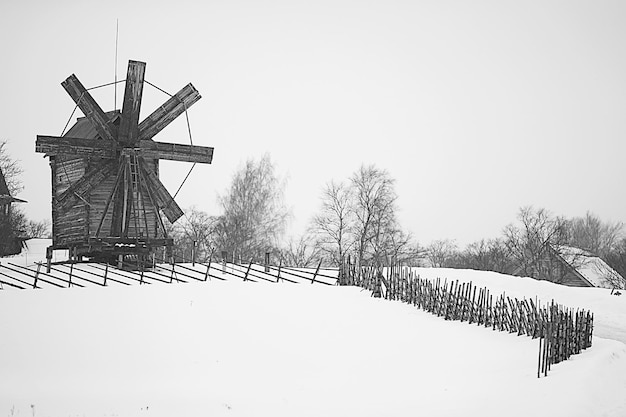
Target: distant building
x,y
10,241
575,268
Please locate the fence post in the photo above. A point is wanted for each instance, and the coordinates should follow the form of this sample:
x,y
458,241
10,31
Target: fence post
x,y
208,268
267,262
37,275
316,271
245,278
71,270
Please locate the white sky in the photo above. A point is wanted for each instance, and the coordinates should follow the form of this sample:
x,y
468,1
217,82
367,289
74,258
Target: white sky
x,y
476,108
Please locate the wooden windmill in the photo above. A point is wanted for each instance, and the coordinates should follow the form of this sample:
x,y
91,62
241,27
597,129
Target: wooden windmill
x,y
107,198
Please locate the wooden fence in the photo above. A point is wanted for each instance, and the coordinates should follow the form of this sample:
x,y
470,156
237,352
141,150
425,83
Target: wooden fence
x,y
561,331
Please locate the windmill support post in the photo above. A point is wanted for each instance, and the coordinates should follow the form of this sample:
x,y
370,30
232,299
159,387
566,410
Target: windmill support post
x,y
48,259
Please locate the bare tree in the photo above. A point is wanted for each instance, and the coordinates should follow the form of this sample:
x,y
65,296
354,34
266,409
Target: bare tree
x,y
617,258
302,253
37,229
402,248
592,234
193,235
528,242
374,211
13,221
254,215
11,170
442,253
332,227
485,255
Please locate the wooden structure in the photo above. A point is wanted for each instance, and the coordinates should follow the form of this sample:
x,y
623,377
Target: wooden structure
x,y
562,331
573,267
10,241
107,198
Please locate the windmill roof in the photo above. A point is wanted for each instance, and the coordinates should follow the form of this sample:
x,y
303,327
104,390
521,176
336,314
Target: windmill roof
x,y
84,129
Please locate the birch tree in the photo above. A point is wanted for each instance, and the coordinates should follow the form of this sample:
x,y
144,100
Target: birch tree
x,y
254,215
374,212
334,224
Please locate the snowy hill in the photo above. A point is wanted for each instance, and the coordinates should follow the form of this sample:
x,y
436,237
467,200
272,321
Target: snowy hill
x,y
236,348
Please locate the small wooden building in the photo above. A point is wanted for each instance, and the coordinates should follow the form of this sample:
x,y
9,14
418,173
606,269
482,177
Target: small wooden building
x,y
575,267
10,240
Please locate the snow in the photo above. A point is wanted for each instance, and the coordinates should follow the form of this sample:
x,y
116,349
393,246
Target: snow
x,y
35,251
234,348
591,267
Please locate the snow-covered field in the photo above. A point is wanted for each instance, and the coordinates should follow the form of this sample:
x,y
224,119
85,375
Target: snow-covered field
x,y
236,348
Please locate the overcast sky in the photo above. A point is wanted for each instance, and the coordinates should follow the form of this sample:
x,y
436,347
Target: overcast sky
x,y
476,108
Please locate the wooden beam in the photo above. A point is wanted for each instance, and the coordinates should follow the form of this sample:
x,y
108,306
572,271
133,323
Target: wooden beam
x,y
169,111
162,197
176,152
99,148
82,187
109,199
119,225
129,124
89,107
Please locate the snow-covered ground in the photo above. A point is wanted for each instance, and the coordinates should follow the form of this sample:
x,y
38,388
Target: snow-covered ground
x,y
234,348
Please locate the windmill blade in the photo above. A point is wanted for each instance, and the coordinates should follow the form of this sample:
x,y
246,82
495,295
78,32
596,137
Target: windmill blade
x,y
82,187
169,111
176,152
89,107
162,197
52,146
129,130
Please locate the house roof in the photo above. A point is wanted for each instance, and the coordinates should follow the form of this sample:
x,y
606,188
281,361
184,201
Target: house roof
x,y
5,195
589,266
4,189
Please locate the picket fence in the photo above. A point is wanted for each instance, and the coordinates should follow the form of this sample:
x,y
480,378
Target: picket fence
x,y
562,331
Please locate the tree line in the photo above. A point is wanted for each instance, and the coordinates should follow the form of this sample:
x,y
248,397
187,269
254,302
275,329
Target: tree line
x,y
520,248
357,221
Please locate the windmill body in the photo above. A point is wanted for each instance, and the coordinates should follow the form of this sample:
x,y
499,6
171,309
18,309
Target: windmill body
x,y
107,199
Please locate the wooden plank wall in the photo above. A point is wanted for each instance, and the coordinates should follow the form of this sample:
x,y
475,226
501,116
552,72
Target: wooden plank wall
x,y
98,198
71,224
81,220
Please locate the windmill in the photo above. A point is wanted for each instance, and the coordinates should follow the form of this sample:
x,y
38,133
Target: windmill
x,y
107,198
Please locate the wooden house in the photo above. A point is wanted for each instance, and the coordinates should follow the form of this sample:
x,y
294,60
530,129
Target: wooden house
x,y
575,267
10,240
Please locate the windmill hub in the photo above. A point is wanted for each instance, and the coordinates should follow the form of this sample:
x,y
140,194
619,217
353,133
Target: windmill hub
x,y
107,198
